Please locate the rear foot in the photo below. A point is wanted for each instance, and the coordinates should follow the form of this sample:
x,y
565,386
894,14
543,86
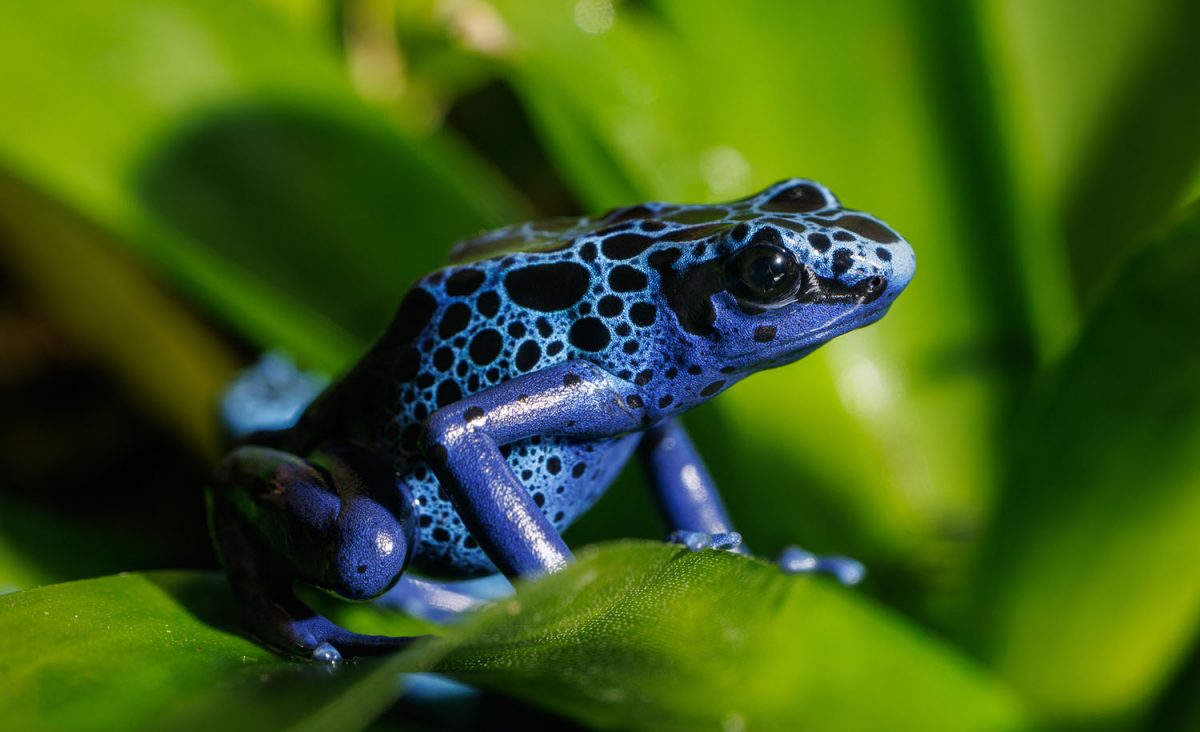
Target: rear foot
x,y
698,540
794,560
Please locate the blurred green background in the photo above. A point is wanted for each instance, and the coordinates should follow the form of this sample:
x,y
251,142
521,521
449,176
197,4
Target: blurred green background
x,y
1014,451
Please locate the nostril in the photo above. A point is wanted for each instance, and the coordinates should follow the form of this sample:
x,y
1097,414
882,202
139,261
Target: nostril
x,y
876,283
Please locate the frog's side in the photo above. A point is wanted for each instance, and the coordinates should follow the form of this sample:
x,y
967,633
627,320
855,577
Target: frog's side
x,y
512,386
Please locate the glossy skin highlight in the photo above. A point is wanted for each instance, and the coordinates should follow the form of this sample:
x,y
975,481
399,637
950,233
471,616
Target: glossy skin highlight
x,y
513,385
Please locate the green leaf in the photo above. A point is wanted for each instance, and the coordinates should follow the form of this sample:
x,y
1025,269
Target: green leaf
x,y
1094,545
634,635
224,143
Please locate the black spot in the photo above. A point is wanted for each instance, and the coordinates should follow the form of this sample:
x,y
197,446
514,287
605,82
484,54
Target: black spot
x,y
554,348
544,328
528,355
587,252
589,334
454,320
795,226
643,377
671,373
712,388
624,278
630,347
728,369
634,401
698,215
516,330
464,282
473,383
462,368
485,346
415,311
470,543
548,287
448,393
539,499
801,198
578,470
665,402
585,308
492,374
425,521
505,451
740,232
643,314
610,306
625,246
662,259
407,363
440,535
626,213
692,233
842,260
695,370
443,358
869,228
624,329
472,413
424,381
554,465
883,253
526,474
764,333
841,235
488,304
820,242
653,226
571,379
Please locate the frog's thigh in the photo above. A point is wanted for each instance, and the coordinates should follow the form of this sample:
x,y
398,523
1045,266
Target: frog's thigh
x,y
462,444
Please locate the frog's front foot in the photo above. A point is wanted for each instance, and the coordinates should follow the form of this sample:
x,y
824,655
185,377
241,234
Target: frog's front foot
x,y
698,540
794,560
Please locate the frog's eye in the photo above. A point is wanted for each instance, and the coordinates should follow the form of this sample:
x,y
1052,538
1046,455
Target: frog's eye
x,y
764,274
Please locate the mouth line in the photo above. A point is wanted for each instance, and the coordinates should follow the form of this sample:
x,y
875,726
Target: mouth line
x,y
869,316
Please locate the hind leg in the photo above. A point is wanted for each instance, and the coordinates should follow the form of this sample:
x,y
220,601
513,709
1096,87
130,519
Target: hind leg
x,y
340,521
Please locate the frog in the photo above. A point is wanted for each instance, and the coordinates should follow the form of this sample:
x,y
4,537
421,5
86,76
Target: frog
x,y
512,386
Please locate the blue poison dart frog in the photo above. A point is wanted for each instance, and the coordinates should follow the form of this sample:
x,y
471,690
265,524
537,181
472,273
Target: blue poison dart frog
x,y
512,386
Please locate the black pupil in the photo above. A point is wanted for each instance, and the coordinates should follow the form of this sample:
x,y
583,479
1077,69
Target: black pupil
x,y
768,272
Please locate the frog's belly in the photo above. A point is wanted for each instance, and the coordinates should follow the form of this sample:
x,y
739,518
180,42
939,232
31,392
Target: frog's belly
x,y
564,476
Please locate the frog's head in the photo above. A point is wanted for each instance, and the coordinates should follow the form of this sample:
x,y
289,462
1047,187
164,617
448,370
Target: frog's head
x,y
794,272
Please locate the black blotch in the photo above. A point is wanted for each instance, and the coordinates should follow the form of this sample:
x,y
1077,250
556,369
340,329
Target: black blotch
x,y
424,381
630,347
526,474
712,388
485,346
624,278
728,369
416,309
624,329
548,287
634,401
505,451
842,261
539,499
440,535
516,330
528,355
643,313
663,259
554,348
425,521
571,379
407,363
698,215
653,225
883,253
492,374
841,235
587,252
665,402
643,377
462,368
820,242
625,246
578,470
473,383
626,213
470,543
695,370
544,328
464,282
795,226
671,373
585,308
610,305
692,233
443,358
869,228
801,198
589,334
554,466
764,333
488,304
739,232
454,320
448,393
473,413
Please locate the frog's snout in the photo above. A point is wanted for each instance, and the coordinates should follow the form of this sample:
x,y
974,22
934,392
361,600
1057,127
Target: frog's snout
x,y
902,267
373,552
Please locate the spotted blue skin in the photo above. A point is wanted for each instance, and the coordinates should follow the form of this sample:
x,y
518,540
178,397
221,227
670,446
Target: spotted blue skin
x,y
641,306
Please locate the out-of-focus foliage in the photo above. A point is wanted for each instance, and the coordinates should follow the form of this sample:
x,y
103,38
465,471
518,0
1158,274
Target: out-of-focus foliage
x,y
1014,450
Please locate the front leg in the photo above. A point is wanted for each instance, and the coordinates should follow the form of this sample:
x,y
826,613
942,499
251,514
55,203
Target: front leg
x,y
462,444
688,499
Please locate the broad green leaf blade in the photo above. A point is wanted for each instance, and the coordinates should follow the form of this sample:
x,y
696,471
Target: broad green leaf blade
x,y
643,636
1095,543
225,144
162,651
